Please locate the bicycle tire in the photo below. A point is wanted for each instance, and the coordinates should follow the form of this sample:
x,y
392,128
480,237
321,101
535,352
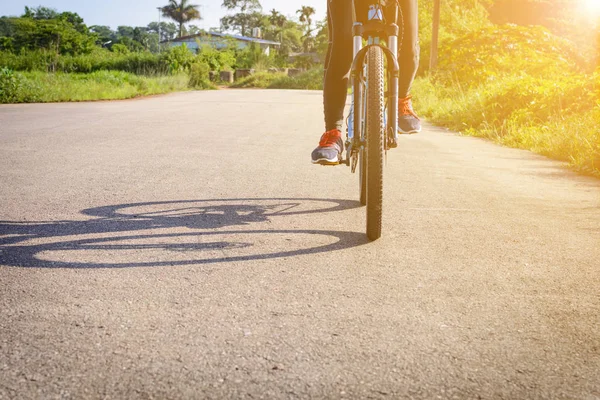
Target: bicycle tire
x,y
358,109
362,176
375,131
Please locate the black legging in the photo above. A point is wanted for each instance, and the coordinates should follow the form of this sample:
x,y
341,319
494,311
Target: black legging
x,y
339,56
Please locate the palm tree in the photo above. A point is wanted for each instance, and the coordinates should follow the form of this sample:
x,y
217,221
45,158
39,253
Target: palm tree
x,y
305,16
277,19
181,12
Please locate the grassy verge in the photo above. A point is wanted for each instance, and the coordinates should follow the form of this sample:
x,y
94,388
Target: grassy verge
x,y
28,87
529,90
309,80
552,118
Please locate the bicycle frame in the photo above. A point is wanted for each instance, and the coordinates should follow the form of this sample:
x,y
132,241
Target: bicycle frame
x,y
373,30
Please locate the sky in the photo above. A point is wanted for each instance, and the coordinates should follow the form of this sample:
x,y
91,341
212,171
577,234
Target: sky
x,y
141,12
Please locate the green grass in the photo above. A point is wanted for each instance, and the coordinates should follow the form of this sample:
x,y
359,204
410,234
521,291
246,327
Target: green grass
x,y
309,80
101,85
521,87
99,60
555,116
260,80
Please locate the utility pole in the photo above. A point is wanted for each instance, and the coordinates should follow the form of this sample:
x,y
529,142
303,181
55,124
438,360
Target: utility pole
x,y
435,35
159,14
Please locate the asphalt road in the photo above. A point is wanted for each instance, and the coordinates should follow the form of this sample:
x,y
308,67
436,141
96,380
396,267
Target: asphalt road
x,y
183,246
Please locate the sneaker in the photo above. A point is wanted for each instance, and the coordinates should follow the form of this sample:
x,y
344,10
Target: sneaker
x,y
408,121
330,149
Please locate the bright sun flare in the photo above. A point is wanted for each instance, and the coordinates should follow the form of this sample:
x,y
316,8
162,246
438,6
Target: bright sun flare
x,y
592,7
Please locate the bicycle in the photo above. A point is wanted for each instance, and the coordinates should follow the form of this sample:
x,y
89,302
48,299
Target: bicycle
x,y
372,125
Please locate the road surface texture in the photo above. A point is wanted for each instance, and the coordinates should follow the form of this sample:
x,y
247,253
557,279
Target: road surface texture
x,y
183,247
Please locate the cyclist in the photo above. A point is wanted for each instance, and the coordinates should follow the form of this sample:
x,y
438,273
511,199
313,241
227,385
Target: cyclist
x,y
337,66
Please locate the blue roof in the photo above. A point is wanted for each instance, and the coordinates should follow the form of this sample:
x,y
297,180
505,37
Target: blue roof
x,y
225,35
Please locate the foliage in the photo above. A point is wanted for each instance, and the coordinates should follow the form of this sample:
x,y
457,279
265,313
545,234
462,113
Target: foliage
x,y
120,48
494,52
260,80
14,88
520,86
306,14
458,17
40,13
277,19
304,62
322,39
243,5
309,80
244,22
217,60
168,30
181,12
58,35
566,18
199,76
251,56
179,58
100,59
100,85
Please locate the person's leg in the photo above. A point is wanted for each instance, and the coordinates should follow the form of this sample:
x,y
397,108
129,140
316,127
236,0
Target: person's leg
x,y
337,62
408,54
408,59
335,82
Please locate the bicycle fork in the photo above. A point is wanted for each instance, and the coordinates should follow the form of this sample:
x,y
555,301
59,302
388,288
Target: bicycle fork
x,y
391,112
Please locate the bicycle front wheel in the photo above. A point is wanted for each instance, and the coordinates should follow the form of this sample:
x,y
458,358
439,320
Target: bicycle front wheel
x,y
375,140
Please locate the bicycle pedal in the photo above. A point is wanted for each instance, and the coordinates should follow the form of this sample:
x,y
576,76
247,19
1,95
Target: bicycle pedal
x,y
328,164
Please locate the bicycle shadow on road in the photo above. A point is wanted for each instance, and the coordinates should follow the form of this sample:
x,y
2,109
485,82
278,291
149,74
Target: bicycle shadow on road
x,y
204,234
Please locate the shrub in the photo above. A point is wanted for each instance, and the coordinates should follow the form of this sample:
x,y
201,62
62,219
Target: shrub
x,y
178,58
495,52
217,60
309,80
9,86
261,80
119,48
15,88
100,59
199,76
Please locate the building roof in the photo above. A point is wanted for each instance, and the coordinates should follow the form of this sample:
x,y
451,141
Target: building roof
x,y
224,35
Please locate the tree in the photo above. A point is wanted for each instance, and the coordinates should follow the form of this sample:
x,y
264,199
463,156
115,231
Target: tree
x,y
193,30
75,20
290,38
105,34
277,19
142,36
248,17
40,13
306,14
244,22
322,38
562,17
56,35
168,30
182,12
243,5
125,31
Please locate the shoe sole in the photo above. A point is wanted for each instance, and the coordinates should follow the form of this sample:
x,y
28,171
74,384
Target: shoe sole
x,y
400,132
325,161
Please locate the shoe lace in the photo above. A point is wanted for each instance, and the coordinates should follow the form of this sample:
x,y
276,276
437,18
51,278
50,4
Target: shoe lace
x,y
329,138
405,107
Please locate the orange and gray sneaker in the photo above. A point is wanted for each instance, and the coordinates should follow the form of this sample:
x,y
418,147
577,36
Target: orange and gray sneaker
x,y
330,148
408,121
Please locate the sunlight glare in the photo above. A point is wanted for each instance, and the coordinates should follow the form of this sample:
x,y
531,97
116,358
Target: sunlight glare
x,y
591,7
